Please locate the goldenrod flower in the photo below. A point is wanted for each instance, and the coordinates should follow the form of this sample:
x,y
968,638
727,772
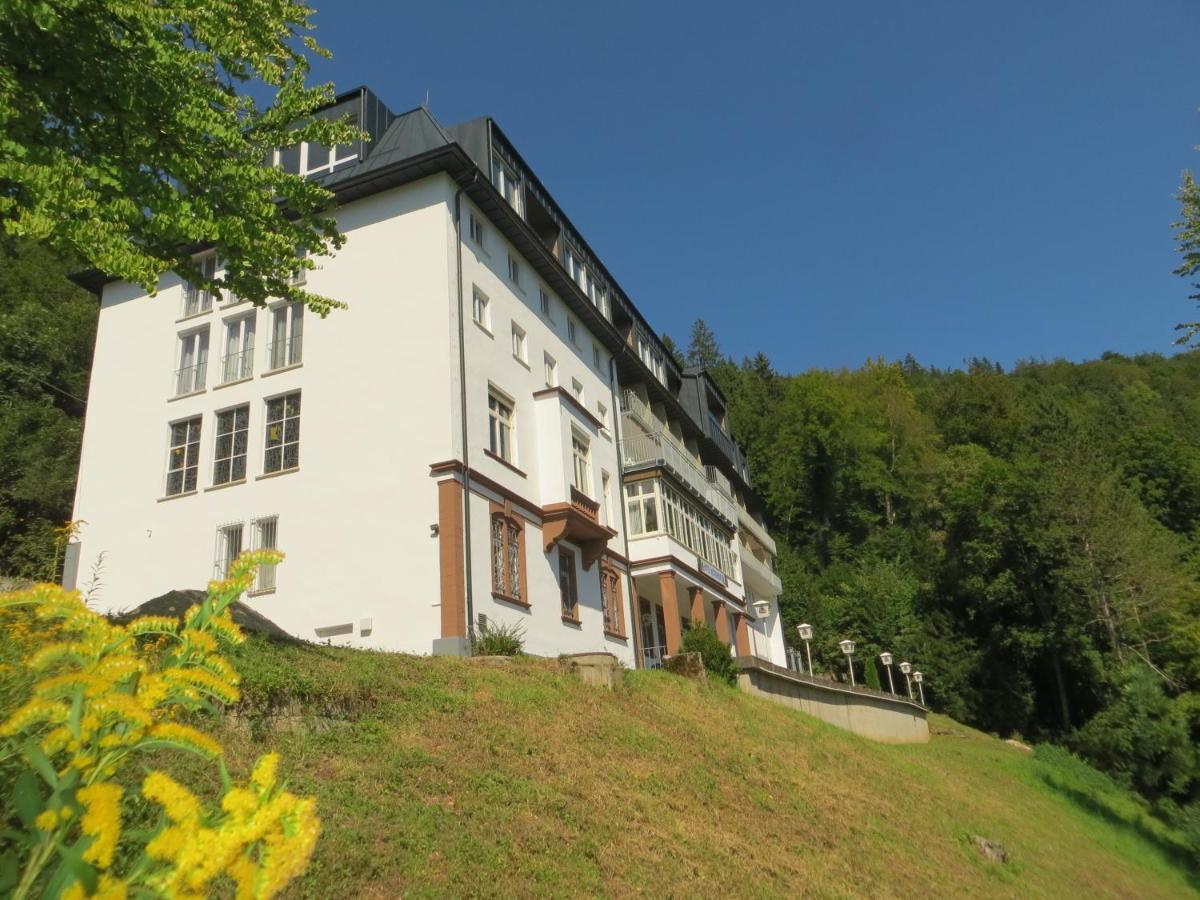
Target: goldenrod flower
x,y
180,804
263,776
101,821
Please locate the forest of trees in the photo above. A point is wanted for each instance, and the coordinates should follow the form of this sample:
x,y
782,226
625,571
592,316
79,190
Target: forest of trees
x,y
1029,538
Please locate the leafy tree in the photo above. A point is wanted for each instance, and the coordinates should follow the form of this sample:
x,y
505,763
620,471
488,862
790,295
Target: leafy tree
x,y
1188,234
713,651
129,136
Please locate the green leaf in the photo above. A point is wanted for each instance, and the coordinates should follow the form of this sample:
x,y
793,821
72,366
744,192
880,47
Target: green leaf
x,y
10,872
27,798
33,753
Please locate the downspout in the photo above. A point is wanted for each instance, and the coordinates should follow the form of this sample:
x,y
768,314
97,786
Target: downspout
x,y
462,406
635,622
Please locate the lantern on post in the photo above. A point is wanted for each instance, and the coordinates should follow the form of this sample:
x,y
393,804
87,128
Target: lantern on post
x,y
848,649
886,659
906,668
806,633
919,678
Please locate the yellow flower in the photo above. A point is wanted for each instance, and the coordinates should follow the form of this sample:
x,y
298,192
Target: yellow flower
x,y
109,888
47,820
179,803
187,736
101,821
263,776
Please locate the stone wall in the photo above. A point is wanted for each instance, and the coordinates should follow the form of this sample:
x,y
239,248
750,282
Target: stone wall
x,y
869,713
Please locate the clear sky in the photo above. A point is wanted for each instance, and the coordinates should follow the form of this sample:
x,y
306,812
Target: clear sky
x,y
827,182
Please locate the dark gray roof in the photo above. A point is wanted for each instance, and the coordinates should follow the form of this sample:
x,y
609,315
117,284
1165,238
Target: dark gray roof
x,y
410,134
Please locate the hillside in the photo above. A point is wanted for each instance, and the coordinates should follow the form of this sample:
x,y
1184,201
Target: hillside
x,y
451,777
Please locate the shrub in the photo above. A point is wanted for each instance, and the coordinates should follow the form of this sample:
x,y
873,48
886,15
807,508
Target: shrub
x,y
88,698
498,640
715,652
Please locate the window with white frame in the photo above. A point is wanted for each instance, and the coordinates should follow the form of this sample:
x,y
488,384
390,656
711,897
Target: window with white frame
x,y
577,389
606,497
229,452
228,549
500,427
547,310
264,533
197,299
580,457
649,354
183,457
299,274
572,336
475,225
602,415
480,311
641,507
519,343
596,354
551,370
287,336
575,267
305,158
193,362
514,270
507,182
238,361
693,528
282,445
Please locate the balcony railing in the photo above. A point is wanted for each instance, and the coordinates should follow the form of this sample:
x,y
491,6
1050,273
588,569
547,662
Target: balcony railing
x,y
660,449
652,657
585,504
753,567
285,353
638,408
236,366
717,477
190,378
752,526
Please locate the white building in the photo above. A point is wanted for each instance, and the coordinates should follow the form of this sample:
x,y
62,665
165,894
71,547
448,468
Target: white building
x,y
491,430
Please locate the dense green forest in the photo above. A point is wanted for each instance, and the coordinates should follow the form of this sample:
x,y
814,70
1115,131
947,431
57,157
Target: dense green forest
x,y
1028,538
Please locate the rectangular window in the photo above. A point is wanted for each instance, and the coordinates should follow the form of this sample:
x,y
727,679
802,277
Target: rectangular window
x,y
514,270
229,457
193,362
299,274
545,300
195,298
551,370
606,498
518,343
287,336
311,158
229,547
596,355
238,361
506,557
566,584
479,309
571,335
580,452
265,534
500,427
505,178
183,458
283,434
602,415
641,507
476,228
577,389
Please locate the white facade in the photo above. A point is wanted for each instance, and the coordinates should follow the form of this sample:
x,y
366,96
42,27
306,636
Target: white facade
x,y
354,458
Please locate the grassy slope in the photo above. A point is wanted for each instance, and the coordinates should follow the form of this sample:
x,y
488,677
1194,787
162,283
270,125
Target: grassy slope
x,y
440,776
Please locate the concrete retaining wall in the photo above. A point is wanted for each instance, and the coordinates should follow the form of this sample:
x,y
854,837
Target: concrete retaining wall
x,y
874,715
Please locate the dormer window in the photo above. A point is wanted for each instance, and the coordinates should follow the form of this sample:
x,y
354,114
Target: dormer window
x,y
507,182
313,159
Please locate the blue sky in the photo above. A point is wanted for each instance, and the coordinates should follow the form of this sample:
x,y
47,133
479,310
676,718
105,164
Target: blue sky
x,y
836,181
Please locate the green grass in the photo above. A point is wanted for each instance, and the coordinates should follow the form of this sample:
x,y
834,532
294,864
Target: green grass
x,y
444,777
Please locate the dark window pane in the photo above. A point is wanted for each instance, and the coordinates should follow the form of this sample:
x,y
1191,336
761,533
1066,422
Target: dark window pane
x,y
179,433
239,443
239,468
293,404
224,446
274,435
318,156
221,472
275,409
272,460
242,416
193,454
291,456
189,480
289,159
174,482
291,431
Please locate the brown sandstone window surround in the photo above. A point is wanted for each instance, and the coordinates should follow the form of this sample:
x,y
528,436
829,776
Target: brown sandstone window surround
x,y
507,543
610,600
567,586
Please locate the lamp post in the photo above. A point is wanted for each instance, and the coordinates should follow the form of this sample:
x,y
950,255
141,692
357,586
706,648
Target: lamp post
x,y
906,667
848,649
886,659
806,636
918,678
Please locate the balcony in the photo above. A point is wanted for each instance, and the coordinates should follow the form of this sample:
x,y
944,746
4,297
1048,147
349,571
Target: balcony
x,y
759,576
753,527
582,503
638,408
190,379
717,477
577,521
660,449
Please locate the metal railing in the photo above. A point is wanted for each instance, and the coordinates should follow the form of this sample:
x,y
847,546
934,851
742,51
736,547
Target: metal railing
x,y
190,378
235,366
660,449
638,408
751,525
652,657
282,354
717,477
